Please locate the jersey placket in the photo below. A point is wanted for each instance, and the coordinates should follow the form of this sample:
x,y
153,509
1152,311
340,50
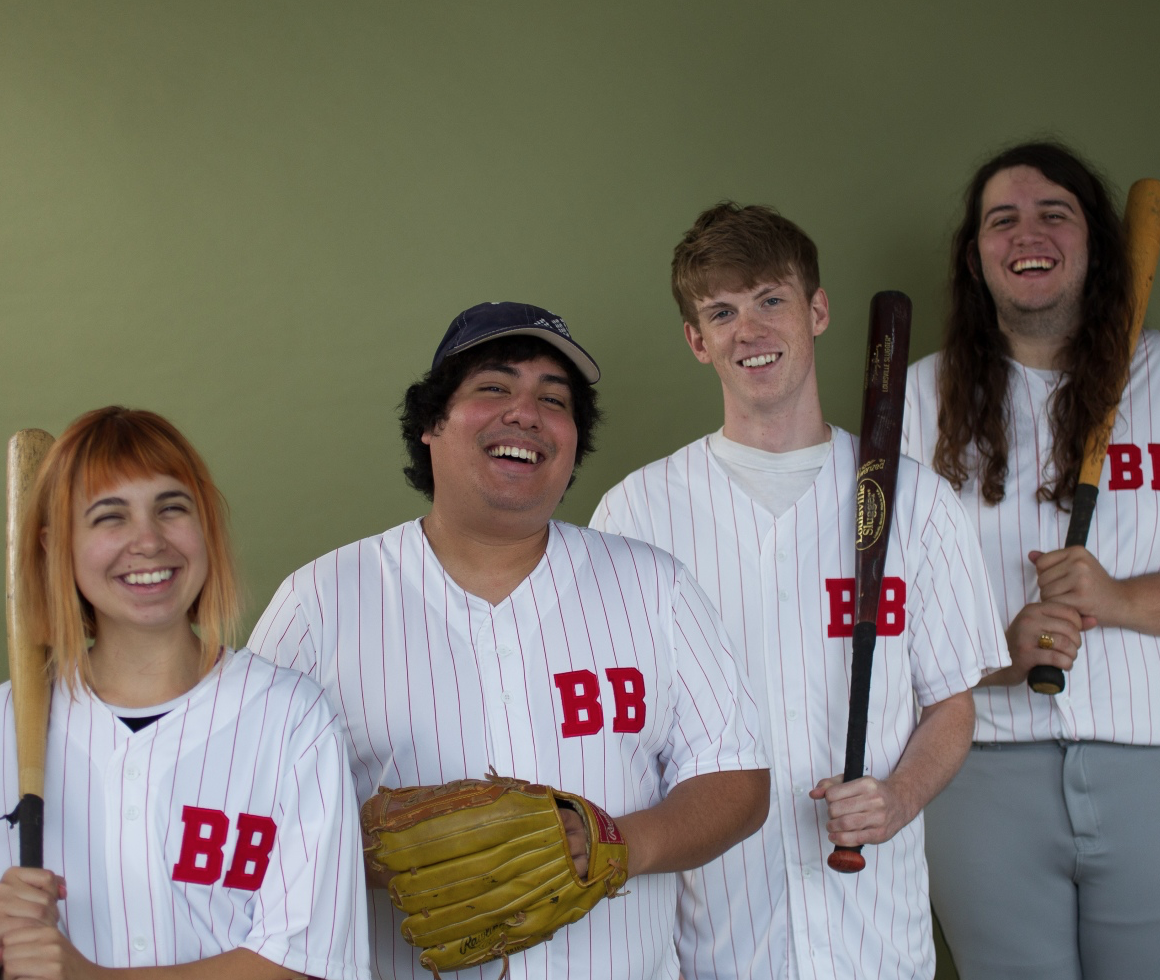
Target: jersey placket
x,y
507,712
793,768
127,859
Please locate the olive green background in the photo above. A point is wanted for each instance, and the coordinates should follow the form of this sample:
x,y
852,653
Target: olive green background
x,y
257,218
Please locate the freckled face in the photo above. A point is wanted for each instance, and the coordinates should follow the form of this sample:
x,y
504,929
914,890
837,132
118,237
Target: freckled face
x,y
761,343
508,442
139,553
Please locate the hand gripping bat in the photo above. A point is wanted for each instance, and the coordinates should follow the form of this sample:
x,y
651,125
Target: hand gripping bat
x,y
1142,224
26,658
883,397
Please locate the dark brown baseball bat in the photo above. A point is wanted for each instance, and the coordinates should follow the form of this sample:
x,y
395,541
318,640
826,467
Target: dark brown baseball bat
x,y
1142,226
883,397
26,657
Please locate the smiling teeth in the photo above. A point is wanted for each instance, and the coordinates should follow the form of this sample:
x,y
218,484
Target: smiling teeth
x,y
529,454
1022,265
759,361
149,578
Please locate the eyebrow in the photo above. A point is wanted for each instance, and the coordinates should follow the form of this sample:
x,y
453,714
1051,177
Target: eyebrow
x,y
503,367
765,291
1047,202
122,502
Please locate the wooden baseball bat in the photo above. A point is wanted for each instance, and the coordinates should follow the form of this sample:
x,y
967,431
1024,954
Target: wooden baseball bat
x,y
883,398
1142,225
26,658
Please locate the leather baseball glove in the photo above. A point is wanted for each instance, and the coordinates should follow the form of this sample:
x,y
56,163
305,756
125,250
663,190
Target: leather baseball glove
x,y
482,866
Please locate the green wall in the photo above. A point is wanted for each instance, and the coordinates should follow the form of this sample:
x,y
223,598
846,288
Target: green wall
x,y
258,217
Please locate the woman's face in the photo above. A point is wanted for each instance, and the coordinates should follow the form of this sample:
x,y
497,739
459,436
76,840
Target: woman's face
x,y
139,553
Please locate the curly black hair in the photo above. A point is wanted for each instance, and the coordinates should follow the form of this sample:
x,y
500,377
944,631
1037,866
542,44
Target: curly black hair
x,y
425,404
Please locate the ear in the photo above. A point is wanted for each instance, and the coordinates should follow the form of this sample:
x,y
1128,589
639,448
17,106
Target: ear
x,y
819,312
432,432
973,259
697,343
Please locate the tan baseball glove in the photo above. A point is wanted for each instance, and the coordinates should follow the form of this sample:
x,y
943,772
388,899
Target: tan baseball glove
x,y
482,866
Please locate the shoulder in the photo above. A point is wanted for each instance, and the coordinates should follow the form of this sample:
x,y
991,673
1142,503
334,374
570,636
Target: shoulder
x,y
1147,350
385,549
923,373
674,468
608,556
616,547
284,689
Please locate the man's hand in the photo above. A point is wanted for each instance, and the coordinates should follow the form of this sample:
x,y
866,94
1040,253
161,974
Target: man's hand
x,y
577,840
870,810
865,811
1073,576
1057,620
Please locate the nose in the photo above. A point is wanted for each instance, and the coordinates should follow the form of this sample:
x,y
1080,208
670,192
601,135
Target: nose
x,y
147,538
749,324
523,410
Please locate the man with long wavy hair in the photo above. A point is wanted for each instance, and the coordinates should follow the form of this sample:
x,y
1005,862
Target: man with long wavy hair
x,y
1042,850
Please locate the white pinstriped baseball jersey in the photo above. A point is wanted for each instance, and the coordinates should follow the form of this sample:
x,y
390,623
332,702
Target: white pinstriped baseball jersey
x,y
606,672
769,907
228,823
1113,690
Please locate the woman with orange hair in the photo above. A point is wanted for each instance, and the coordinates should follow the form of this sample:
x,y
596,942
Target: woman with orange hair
x,y
199,819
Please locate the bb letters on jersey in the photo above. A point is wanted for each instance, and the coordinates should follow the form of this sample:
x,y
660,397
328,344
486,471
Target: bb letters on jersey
x,y
203,844
583,710
891,607
1127,466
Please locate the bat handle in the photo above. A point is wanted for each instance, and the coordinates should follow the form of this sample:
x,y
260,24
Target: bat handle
x,y
1045,679
31,831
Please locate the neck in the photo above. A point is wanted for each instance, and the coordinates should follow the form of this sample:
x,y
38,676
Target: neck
x,y
138,669
486,564
781,432
1038,339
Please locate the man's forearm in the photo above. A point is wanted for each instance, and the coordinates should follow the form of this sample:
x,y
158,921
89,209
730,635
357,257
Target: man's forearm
x,y
935,751
699,820
1139,609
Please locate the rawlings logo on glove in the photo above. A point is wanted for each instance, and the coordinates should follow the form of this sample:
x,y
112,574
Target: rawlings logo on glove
x,y
483,868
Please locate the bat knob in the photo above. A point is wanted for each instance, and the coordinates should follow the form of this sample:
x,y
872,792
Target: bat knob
x,y
1045,679
847,860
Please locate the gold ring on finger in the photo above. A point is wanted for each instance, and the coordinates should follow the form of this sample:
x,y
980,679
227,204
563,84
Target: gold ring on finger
x,y
1046,641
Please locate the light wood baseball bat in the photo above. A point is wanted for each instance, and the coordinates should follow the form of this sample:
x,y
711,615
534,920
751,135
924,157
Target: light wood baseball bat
x,y
26,658
1142,225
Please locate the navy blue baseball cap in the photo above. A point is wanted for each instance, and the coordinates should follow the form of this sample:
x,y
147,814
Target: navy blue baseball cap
x,y
489,321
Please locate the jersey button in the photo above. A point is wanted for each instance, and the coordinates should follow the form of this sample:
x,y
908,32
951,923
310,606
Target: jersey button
x,y
132,772
781,556
132,813
139,943
506,697
806,872
791,714
783,595
504,651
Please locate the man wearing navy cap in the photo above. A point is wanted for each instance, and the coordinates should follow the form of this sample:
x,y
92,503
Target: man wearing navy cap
x,y
486,635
